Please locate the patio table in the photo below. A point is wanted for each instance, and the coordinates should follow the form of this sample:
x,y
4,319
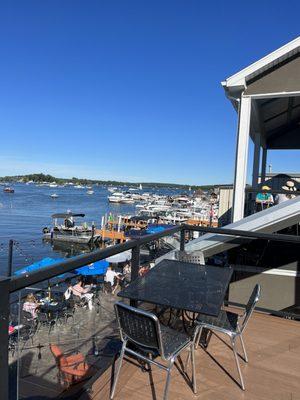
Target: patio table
x,y
182,286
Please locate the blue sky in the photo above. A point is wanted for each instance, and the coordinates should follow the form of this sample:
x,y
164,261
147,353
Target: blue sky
x,y
130,90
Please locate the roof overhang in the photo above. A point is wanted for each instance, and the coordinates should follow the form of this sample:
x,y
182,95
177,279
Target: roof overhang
x,y
273,83
236,83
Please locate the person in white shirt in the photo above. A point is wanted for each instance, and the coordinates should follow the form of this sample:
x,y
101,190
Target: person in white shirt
x,y
112,277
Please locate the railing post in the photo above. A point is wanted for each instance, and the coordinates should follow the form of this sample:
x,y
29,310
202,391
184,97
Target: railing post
x,y
135,265
4,322
10,257
182,239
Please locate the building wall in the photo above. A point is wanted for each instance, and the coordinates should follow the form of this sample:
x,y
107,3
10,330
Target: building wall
x,y
225,206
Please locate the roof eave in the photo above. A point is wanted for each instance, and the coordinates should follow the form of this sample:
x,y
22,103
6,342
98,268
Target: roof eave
x,y
239,79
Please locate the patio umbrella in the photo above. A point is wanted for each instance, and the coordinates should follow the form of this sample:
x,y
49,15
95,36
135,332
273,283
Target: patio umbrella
x,y
38,265
121,257
156,228
96,268
45,262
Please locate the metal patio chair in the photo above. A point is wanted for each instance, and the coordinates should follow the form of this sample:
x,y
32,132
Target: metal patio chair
x,y
149,338
231,324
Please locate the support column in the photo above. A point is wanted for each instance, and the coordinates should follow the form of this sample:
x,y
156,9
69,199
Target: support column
x,y
256,159
241,159
264,165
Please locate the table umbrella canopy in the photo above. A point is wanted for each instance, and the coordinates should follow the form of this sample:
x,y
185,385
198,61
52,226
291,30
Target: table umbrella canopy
x,y
96,268
156,228
45,262
121,257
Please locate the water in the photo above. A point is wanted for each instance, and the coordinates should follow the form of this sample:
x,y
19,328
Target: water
x,y
25,213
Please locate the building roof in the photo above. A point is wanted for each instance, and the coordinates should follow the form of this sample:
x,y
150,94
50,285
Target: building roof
x,y
273,82
240,79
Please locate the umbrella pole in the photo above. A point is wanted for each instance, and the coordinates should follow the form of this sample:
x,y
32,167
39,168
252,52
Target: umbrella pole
x,y
49,290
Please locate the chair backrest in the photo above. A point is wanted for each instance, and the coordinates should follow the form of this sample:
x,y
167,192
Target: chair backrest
x,y
26,316
138,326
196,257
253,299
58,355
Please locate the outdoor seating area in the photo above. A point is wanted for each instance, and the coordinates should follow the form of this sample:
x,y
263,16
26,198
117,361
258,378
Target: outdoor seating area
x,y
271,374
167,333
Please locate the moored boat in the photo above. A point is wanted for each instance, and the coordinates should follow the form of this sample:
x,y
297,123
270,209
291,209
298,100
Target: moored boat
x,y
69,231
8,190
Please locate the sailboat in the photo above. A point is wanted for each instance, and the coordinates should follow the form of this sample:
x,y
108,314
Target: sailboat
x,y
141,187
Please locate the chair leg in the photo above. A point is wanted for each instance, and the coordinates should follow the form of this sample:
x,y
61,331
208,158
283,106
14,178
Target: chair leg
x,y
193,368
168,379
237,362
118,371
243,347
197,337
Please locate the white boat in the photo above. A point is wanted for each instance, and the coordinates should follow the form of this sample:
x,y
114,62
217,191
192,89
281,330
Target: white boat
x,y
89,187
141,187
52,185
119,197
79,187
90,192
54,195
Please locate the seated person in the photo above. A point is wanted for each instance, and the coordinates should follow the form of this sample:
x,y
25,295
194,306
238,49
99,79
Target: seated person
x,y
83,292
143,270
112,279
264,199
31,305
127,274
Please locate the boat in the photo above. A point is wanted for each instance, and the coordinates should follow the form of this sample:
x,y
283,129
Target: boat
x,y
52,185
54,196
89,187
119,197
8,190
141,187
69,231
90,192
78,187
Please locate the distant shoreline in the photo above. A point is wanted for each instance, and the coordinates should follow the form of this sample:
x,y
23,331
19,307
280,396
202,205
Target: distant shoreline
x,y
45,178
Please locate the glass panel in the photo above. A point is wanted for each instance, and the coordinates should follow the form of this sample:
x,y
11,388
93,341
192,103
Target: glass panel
x,y
275,266
51,331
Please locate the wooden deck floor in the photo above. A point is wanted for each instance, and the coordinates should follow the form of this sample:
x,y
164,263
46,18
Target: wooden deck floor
x,y
273,371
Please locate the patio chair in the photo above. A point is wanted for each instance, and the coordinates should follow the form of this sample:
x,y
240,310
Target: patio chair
x,y
229,323
47,319
72,368
147,339
195,257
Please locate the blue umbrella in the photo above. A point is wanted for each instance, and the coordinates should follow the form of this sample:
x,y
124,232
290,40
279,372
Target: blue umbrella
x,y
45,262
156,228
96,268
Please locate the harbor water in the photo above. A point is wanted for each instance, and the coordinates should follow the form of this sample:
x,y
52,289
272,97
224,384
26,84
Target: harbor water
x,y
25,213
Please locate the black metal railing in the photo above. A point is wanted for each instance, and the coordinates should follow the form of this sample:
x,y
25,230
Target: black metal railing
x,y
12,284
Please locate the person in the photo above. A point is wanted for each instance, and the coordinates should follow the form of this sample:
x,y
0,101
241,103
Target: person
x,y
31,305
289,188
112,278
264,199
83,292
143,270
127,274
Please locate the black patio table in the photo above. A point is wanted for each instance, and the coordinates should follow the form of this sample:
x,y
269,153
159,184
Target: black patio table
x,y
183,286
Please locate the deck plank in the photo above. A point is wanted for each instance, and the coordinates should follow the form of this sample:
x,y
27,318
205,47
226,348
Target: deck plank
x,y
273,346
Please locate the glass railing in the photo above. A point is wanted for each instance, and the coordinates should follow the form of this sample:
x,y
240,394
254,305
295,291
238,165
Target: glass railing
x,y
52,338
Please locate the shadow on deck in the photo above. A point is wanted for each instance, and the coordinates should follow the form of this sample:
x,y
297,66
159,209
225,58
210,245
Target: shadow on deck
x,y
273,346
